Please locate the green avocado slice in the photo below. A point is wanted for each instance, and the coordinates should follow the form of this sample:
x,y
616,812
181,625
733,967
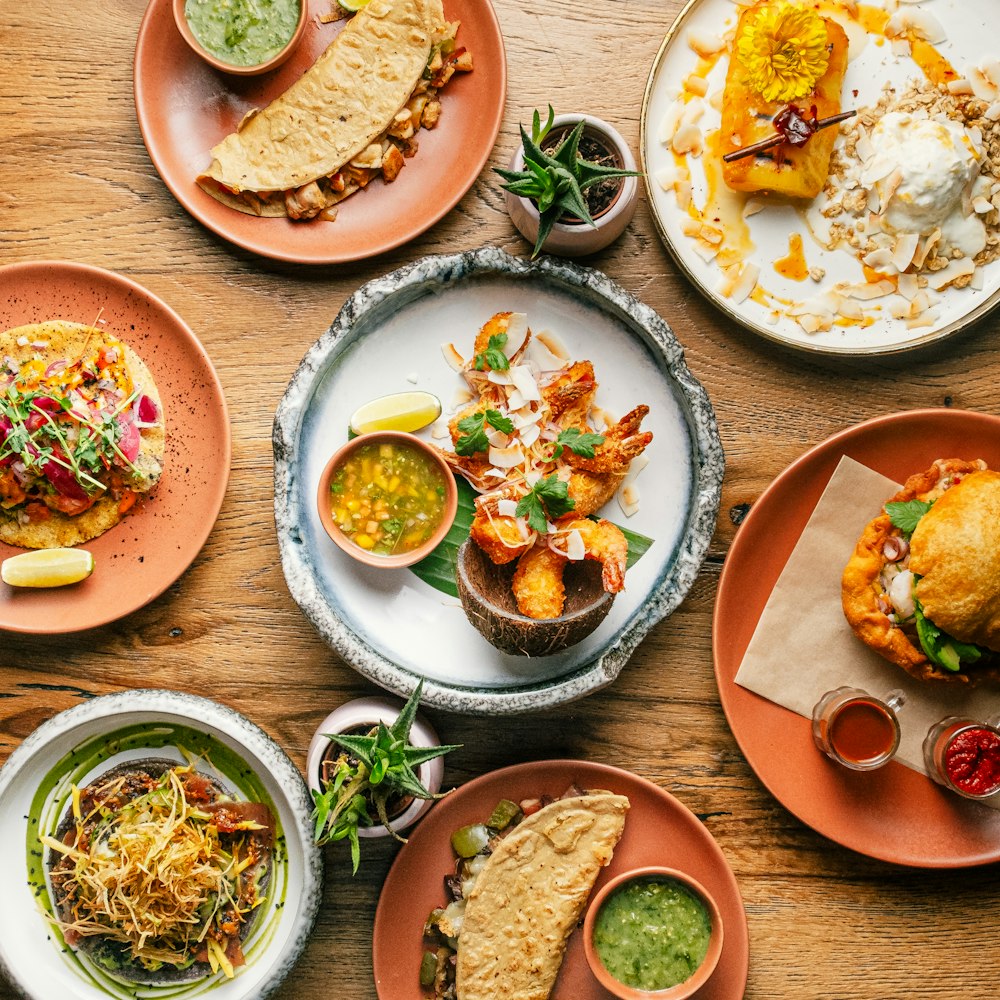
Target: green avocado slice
x,y
942,649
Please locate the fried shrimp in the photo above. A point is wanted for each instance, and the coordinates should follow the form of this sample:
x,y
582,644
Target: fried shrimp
x,y
569,395
538,583
604,543
499,537
590,491
622,442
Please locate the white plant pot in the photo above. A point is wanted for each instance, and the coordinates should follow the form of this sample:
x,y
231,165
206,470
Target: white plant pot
x,y
371,711
579,239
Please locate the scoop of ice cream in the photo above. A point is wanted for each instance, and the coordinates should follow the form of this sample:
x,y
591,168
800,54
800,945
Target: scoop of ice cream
x,y
927,170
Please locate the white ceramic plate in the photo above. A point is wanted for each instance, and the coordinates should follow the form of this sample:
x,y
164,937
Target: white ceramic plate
x,y
970,26
390,625
83,742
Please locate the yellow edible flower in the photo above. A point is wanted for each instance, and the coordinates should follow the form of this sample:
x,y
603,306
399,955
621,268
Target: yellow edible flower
x,y
784,48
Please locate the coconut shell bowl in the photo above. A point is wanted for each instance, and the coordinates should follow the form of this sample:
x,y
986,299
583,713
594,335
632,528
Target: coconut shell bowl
x,y
485,591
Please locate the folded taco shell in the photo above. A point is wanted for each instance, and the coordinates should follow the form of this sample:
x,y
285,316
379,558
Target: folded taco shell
x,y
530,895
336,109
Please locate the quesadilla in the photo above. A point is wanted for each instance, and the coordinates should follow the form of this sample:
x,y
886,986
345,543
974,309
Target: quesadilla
x,y
157,871
350,118
923,586
530,894
81,433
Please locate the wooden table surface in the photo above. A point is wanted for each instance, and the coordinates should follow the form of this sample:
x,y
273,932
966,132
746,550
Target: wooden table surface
x,y
76,183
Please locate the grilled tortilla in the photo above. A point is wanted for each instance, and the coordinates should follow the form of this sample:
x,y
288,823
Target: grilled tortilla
x,y
530,896
117,849
359,89
61,483
928,599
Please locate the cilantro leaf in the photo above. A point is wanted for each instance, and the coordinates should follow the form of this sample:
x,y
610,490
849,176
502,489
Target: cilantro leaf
x,y
473,430
497,420
548,499
905,514
473,437
494,357
578,442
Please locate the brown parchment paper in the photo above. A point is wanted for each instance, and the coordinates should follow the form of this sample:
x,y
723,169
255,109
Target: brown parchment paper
x,y
803,646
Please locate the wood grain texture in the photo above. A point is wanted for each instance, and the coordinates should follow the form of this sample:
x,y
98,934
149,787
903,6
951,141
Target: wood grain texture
x,y
76,183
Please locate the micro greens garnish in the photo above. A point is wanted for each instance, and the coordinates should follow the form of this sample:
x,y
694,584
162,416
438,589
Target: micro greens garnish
x,y
494,357
578,442
93,450
371,771
548,499
473,430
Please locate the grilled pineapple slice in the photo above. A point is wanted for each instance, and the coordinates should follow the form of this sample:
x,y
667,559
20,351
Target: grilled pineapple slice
x,y
798,172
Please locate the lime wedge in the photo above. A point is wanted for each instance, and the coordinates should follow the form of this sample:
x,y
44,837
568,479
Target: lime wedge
x,y
402,411
47,568
352,5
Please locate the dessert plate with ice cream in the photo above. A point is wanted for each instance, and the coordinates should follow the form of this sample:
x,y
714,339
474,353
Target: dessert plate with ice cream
x,y
829,174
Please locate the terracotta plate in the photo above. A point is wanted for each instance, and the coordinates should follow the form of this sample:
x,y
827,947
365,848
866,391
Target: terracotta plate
x,y
138,559
185,107
659,831
894,814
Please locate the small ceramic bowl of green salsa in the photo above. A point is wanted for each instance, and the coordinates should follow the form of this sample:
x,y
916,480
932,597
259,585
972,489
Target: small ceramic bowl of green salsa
x,y
387,498
242,37
653,934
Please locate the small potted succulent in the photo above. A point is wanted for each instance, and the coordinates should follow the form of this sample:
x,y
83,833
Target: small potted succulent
x,y
368,779
571,188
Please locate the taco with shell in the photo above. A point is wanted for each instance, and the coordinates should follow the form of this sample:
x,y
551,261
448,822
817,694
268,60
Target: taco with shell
x,y
81,433
353,116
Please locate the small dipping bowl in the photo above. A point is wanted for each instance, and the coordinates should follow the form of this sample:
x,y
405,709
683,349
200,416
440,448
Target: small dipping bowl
x,y
964,756
634,881
216,62
355,551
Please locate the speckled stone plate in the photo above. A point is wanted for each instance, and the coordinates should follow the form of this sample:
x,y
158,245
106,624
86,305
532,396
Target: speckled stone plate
x,y
388,624
82,743
185,107
138,559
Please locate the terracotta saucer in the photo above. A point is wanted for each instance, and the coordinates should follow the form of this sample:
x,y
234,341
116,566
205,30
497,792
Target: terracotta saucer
x,y
185,107
143,555
895,814
659,830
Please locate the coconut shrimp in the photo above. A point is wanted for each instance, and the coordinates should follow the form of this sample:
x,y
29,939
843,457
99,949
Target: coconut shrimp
x,y
538,583
570,394
590,491
623,441
605,543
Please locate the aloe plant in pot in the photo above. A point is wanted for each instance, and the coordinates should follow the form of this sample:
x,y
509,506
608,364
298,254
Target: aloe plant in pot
x,y
565,202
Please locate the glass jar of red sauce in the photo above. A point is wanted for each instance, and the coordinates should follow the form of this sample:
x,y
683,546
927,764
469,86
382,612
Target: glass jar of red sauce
x,y
856,729
964,755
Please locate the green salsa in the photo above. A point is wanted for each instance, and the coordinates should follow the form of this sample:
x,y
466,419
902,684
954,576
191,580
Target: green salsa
x,y
652,933
243,32
388,498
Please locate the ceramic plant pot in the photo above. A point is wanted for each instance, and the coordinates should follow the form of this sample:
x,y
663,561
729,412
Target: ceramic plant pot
x,y
359,716
577,239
